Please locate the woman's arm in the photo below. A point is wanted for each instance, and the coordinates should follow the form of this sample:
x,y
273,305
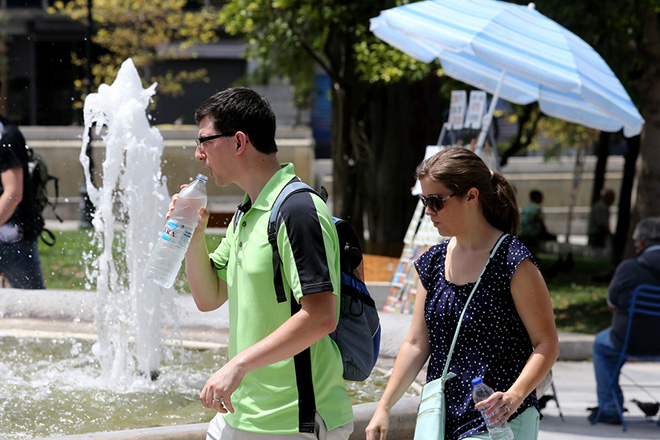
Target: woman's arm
x,y
409,361
532,301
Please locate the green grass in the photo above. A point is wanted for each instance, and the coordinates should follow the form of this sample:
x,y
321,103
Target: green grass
x,y
64,265
579,302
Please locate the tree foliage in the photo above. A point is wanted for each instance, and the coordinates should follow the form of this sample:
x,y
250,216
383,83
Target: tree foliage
x,y
295,39
376,110
627,35
146,31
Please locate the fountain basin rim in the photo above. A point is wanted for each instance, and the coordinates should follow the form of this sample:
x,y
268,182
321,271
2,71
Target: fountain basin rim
x,y
402,425
44,334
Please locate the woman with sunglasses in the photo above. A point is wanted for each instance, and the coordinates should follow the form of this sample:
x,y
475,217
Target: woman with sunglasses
x,y
507,335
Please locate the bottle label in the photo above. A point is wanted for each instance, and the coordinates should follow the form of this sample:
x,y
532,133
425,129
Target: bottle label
x,y
176,233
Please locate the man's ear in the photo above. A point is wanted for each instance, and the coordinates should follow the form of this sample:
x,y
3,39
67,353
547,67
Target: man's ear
x,y
241,142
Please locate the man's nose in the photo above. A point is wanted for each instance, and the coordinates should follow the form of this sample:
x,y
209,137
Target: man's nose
x,y
199,155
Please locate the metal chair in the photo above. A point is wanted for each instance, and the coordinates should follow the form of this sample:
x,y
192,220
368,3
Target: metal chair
x,y
544,397
645,300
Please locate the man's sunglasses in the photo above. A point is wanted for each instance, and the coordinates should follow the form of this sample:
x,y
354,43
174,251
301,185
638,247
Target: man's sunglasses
x,y
434,202
202,140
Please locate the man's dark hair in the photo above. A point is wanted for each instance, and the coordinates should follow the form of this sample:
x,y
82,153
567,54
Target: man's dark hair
x,y
242,109
536,196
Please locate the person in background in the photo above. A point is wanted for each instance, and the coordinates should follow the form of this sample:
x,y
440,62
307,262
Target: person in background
x,y
508,335
643,269
598,229
19,219
532,223
284,378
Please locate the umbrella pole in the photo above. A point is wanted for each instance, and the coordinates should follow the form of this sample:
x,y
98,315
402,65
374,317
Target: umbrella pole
x,y
488,117
577,176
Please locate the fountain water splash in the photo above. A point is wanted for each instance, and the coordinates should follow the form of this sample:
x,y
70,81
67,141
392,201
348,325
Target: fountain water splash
x,y
129,211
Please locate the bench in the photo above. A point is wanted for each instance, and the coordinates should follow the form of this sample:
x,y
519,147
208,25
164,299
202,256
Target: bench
x,y
220,219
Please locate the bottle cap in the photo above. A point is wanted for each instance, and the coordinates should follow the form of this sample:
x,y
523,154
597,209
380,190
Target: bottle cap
x,y
476,381
202,177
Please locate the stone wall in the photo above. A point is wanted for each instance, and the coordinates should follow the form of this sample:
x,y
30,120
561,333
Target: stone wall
x,y
61,148
555,179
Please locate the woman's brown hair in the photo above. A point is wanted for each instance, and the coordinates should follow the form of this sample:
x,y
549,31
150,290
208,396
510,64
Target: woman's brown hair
x,y
459,169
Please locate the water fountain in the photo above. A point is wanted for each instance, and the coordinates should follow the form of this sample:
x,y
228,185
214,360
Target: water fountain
x,y
133,193
73,381
59,383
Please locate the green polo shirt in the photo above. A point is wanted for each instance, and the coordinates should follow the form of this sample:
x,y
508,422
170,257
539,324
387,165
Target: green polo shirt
x,y
267,399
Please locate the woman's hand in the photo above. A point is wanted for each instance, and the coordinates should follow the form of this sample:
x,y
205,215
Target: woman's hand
x,y
377,428
500,406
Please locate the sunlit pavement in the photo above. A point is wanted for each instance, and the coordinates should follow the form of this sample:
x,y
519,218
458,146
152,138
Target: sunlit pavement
x,y
575,385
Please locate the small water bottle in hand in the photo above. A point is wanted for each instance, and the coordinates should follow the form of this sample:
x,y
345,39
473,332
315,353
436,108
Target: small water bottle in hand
x,y
165,260
480,392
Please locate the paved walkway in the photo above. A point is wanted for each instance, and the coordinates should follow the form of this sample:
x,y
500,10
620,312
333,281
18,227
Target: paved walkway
x,y
576,391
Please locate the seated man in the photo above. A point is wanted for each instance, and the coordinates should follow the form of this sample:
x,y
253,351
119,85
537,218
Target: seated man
x,y
645,269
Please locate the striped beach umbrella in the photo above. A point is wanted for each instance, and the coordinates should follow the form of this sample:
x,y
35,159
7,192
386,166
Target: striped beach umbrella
x,y
515,53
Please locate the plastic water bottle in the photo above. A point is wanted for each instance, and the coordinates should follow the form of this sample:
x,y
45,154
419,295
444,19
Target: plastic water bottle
x,y
481,391
165,260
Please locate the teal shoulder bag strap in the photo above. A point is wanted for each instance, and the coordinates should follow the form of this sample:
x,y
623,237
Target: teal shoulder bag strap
x,y
432,409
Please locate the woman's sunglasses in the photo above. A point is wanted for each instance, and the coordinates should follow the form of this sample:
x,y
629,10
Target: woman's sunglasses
x,y
434,201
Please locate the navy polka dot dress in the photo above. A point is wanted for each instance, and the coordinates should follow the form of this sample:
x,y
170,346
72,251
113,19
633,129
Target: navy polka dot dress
x,y
492,342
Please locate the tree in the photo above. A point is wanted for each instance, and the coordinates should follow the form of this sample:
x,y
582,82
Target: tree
x,y
144,30
627,35
4,66
386,107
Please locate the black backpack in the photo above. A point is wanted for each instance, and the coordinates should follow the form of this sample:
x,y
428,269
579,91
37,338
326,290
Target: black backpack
x,y
358,331
39,179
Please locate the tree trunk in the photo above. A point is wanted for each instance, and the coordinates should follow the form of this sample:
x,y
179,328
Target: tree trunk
x,y
602,153
402,120
346,94
4,76
648,166
379,135
344,183
625,195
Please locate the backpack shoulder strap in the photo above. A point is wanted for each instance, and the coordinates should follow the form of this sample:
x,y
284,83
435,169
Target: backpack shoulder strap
x,y
302,360
294,186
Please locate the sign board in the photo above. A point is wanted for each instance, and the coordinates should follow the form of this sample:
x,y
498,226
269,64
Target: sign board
x,y
476,109
430,151
457,109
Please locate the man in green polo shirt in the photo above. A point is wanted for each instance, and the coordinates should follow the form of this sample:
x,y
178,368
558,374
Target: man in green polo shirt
x,y
284,377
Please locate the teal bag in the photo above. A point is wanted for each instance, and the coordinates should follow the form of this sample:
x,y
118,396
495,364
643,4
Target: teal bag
x,y
432,410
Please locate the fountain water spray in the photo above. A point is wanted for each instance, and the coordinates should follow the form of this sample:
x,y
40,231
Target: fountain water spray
x,y
129,210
